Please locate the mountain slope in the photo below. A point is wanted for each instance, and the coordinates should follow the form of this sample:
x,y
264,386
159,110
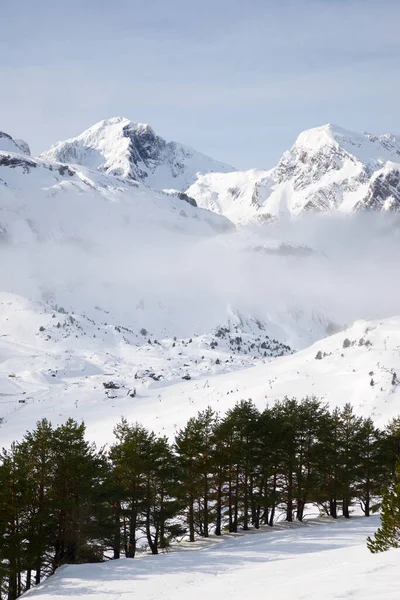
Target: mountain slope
x,y
133,151
8,144
328,169
44,200
59,372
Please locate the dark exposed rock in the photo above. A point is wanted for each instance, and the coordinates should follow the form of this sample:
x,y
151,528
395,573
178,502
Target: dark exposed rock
x,y
183,196
8,160
383,193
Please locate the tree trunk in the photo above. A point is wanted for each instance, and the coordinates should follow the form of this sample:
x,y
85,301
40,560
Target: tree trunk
x,y
205,508
230,503
289,506
219,510
117,535
131,546
273,506
246,503
300,509
152,542
346,512
28,580
191,519
236,504
12,584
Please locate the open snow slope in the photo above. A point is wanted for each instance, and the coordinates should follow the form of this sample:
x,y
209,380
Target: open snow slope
x,y
134,151
328,169
320,559
42,380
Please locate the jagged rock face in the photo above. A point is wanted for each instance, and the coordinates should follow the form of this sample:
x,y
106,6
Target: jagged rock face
x,y
133,151
383,192
145,148
328,169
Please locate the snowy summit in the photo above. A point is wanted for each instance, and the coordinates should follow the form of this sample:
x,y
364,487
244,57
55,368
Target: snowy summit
x,y
134,151
328,169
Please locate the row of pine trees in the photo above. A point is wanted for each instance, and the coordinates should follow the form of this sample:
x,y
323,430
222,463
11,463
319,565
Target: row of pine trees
x,y
64,501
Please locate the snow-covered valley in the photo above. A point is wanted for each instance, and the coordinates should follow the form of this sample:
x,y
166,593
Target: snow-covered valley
x,y
104,278
123,292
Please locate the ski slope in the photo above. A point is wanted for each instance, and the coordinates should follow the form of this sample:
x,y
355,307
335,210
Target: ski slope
x,y
318,559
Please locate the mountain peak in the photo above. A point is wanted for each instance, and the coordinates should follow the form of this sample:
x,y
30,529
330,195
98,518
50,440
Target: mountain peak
x,y
328,168
324,135
133,151
367,148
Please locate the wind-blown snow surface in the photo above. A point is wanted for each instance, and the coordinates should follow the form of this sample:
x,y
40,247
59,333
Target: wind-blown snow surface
x,y
320,559
133,151
328,169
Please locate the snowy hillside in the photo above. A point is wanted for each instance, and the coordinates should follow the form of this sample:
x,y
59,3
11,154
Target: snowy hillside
x,y
105,279
61,368
328,169
41,200
133,151
321,559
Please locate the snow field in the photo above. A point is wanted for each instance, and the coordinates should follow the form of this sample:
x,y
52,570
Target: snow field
x,y
319,559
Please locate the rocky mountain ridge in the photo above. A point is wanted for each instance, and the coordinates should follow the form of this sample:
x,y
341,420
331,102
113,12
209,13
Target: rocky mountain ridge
x,y
134,152
328,169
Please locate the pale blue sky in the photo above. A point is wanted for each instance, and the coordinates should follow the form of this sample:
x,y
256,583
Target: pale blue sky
x,y
236,79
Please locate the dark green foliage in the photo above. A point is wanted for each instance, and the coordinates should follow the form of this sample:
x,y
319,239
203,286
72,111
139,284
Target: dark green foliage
x,y
63,501
388,534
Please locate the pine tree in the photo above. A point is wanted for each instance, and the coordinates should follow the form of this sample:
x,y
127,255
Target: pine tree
x,y
239,429
350,468
130,457
14,499
194,445
328,486
73,496
310,422
388,534
160,503
37,453
372,472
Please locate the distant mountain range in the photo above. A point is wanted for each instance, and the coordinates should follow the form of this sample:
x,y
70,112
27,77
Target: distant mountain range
x,y
328,169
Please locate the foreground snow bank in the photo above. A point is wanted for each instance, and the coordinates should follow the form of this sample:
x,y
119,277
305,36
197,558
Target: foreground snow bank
x,y
322,559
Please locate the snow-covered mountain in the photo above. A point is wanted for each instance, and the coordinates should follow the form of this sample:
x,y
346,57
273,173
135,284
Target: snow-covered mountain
x,y
133,151
44,200
328,169
105,278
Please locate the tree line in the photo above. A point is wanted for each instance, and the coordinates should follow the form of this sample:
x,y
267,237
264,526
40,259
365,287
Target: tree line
x,y
62,500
